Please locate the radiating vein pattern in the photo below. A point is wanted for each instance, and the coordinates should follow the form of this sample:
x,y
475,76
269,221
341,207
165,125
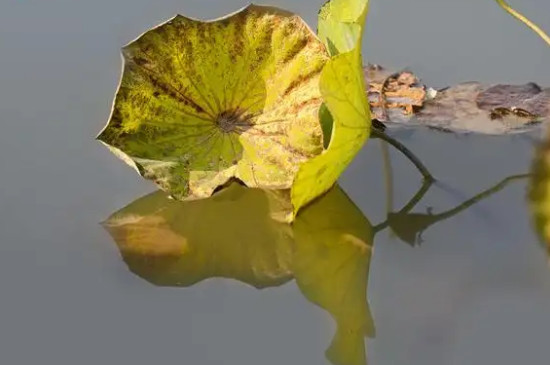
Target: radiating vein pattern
x,y
201,102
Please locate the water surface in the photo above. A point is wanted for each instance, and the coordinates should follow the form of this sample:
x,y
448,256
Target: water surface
x,y
473,288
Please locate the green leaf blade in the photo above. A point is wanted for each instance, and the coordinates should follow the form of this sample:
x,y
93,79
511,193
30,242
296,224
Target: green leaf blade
x,y
341,24
343,89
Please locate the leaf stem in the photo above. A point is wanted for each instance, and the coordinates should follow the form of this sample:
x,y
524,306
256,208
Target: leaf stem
x,y
388,176
524,20
404,150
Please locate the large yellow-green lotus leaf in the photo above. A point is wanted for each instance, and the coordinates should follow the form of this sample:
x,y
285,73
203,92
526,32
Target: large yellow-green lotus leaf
x,y
236,234
341,24
201,102
539,192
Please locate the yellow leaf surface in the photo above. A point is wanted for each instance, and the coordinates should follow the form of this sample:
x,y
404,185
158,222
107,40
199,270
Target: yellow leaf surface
x,y
201,102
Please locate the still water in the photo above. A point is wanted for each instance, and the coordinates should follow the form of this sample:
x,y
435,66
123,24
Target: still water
x,y
457,276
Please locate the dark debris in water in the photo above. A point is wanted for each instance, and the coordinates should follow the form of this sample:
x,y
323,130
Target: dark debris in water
x,y
399,98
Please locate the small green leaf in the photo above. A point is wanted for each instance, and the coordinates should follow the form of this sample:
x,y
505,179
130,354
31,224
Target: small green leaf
x,y
201,102
342,84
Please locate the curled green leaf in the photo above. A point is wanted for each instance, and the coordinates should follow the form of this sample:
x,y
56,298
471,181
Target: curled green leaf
x,y
341,24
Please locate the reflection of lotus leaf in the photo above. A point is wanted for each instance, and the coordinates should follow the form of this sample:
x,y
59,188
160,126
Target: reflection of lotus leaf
x,y
237,234
203,102
331,267
231,235
539,193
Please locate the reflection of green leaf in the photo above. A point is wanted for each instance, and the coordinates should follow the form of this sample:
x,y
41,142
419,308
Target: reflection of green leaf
x,y
341,24
203,102
331,265
539,192
237,234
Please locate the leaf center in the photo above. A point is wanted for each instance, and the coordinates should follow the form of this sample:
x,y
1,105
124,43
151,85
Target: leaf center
x,y
233,122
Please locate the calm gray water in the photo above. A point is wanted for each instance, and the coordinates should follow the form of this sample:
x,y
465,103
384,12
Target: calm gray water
x,y
476,290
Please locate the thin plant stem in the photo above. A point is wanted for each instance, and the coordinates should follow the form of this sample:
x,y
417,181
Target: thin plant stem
x,y
388,176
404,150
524,20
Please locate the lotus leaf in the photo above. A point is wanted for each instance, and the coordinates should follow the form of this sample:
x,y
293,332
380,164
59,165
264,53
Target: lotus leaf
x,y
204,102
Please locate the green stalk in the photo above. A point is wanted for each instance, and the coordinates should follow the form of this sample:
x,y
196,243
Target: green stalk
x,y
524,20
375,133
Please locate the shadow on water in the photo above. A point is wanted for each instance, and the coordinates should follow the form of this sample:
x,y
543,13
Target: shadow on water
x,y
239,234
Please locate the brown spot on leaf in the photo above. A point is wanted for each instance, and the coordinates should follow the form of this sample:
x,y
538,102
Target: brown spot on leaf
x,y
303,79
295,50
168,89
